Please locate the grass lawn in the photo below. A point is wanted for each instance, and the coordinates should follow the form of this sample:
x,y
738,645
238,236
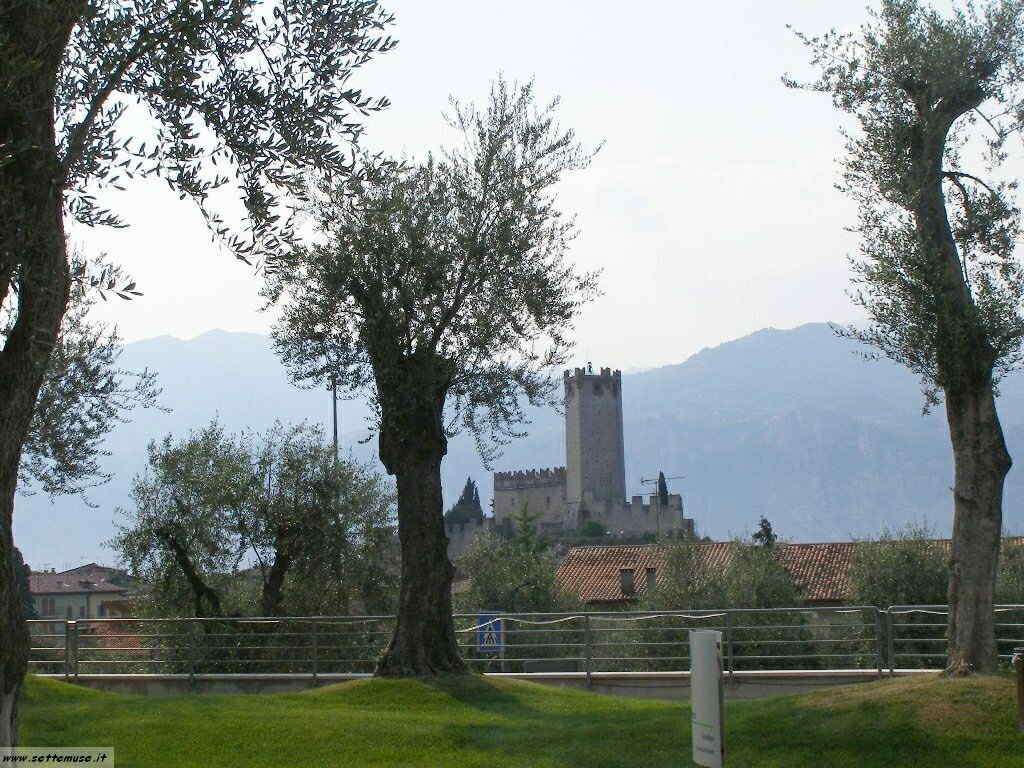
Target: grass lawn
x,y
468,722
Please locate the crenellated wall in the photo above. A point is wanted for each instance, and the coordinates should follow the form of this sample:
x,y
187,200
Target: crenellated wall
x,y
637,517
542,491
528,478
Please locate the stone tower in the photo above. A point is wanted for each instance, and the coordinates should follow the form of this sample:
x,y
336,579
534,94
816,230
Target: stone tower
x,y
595,463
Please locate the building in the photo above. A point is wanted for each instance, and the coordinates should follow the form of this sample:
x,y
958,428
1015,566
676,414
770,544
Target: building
x,y
618,575
88,592
592,484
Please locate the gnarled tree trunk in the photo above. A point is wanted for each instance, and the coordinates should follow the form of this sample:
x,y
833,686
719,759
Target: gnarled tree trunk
x,y
965,361
204,597
33,257
273,584
981,463
412,445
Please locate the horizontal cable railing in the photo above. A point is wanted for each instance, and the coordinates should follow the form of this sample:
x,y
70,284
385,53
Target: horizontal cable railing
x,y
916,634
805,638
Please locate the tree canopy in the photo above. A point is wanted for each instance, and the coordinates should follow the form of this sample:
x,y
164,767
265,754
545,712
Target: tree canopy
x,y
467,509
935,99
458,261
246,90
277,503
512,574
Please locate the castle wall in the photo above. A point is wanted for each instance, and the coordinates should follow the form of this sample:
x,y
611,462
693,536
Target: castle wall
x,y
636,517
592,485
543,491
462,535
594,446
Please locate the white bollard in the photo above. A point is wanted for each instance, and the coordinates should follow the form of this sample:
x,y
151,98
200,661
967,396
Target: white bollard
x,y
706,698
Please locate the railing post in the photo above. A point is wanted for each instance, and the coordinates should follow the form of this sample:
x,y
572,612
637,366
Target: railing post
x,y
67,649
192,661
314,651
161,651
587,653
878,641
73,628
1018,665
728,644
892,643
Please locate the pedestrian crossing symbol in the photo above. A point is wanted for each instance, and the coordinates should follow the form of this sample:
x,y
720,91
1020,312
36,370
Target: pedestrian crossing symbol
x,y
490,634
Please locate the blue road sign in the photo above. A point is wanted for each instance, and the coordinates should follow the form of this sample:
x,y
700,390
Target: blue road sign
x,y
490,634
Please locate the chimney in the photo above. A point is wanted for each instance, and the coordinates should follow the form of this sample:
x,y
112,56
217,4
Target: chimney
x,y
627,581
651,581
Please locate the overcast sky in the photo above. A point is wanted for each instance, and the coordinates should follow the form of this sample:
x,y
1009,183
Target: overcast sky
x,y
711,209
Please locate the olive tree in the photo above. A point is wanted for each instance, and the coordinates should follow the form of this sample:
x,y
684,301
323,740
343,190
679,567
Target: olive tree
x,y
276,502
220,91
932,97
441,290
84,394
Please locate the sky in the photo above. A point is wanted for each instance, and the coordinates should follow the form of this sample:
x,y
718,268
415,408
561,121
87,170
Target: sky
x,y
710,209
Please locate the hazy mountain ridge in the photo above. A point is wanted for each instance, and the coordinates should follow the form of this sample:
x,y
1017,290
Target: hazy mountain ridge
x,y
791,424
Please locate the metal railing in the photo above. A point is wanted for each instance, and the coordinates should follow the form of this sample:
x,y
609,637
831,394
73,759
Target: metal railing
x,y
805,638
916,638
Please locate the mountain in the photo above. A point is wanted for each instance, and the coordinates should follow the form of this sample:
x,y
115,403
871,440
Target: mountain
x,y
791,424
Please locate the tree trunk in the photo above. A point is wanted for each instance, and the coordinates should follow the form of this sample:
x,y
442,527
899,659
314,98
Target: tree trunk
x,y
412,445
424,638
203,594
981,462
964,362
33,257
270,605
14,641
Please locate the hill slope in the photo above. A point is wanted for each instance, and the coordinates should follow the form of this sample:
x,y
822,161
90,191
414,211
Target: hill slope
x,y
791,424
475,721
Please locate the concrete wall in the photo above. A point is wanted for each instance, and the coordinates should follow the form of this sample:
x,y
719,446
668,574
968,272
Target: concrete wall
x,y
82,605
66,606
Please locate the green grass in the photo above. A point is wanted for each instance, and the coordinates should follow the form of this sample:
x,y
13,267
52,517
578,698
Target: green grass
x,y
468,722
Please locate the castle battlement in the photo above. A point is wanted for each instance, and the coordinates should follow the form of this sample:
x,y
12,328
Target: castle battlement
x,y
529,478
580,379
579,373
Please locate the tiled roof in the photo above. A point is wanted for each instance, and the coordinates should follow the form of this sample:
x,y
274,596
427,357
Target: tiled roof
x,y
822,570
77,581
593,572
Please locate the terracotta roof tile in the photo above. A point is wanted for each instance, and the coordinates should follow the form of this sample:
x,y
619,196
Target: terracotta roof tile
x,y
822,570
72,582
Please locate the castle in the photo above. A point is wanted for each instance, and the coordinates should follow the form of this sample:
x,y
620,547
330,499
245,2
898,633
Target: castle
x,y
591,485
